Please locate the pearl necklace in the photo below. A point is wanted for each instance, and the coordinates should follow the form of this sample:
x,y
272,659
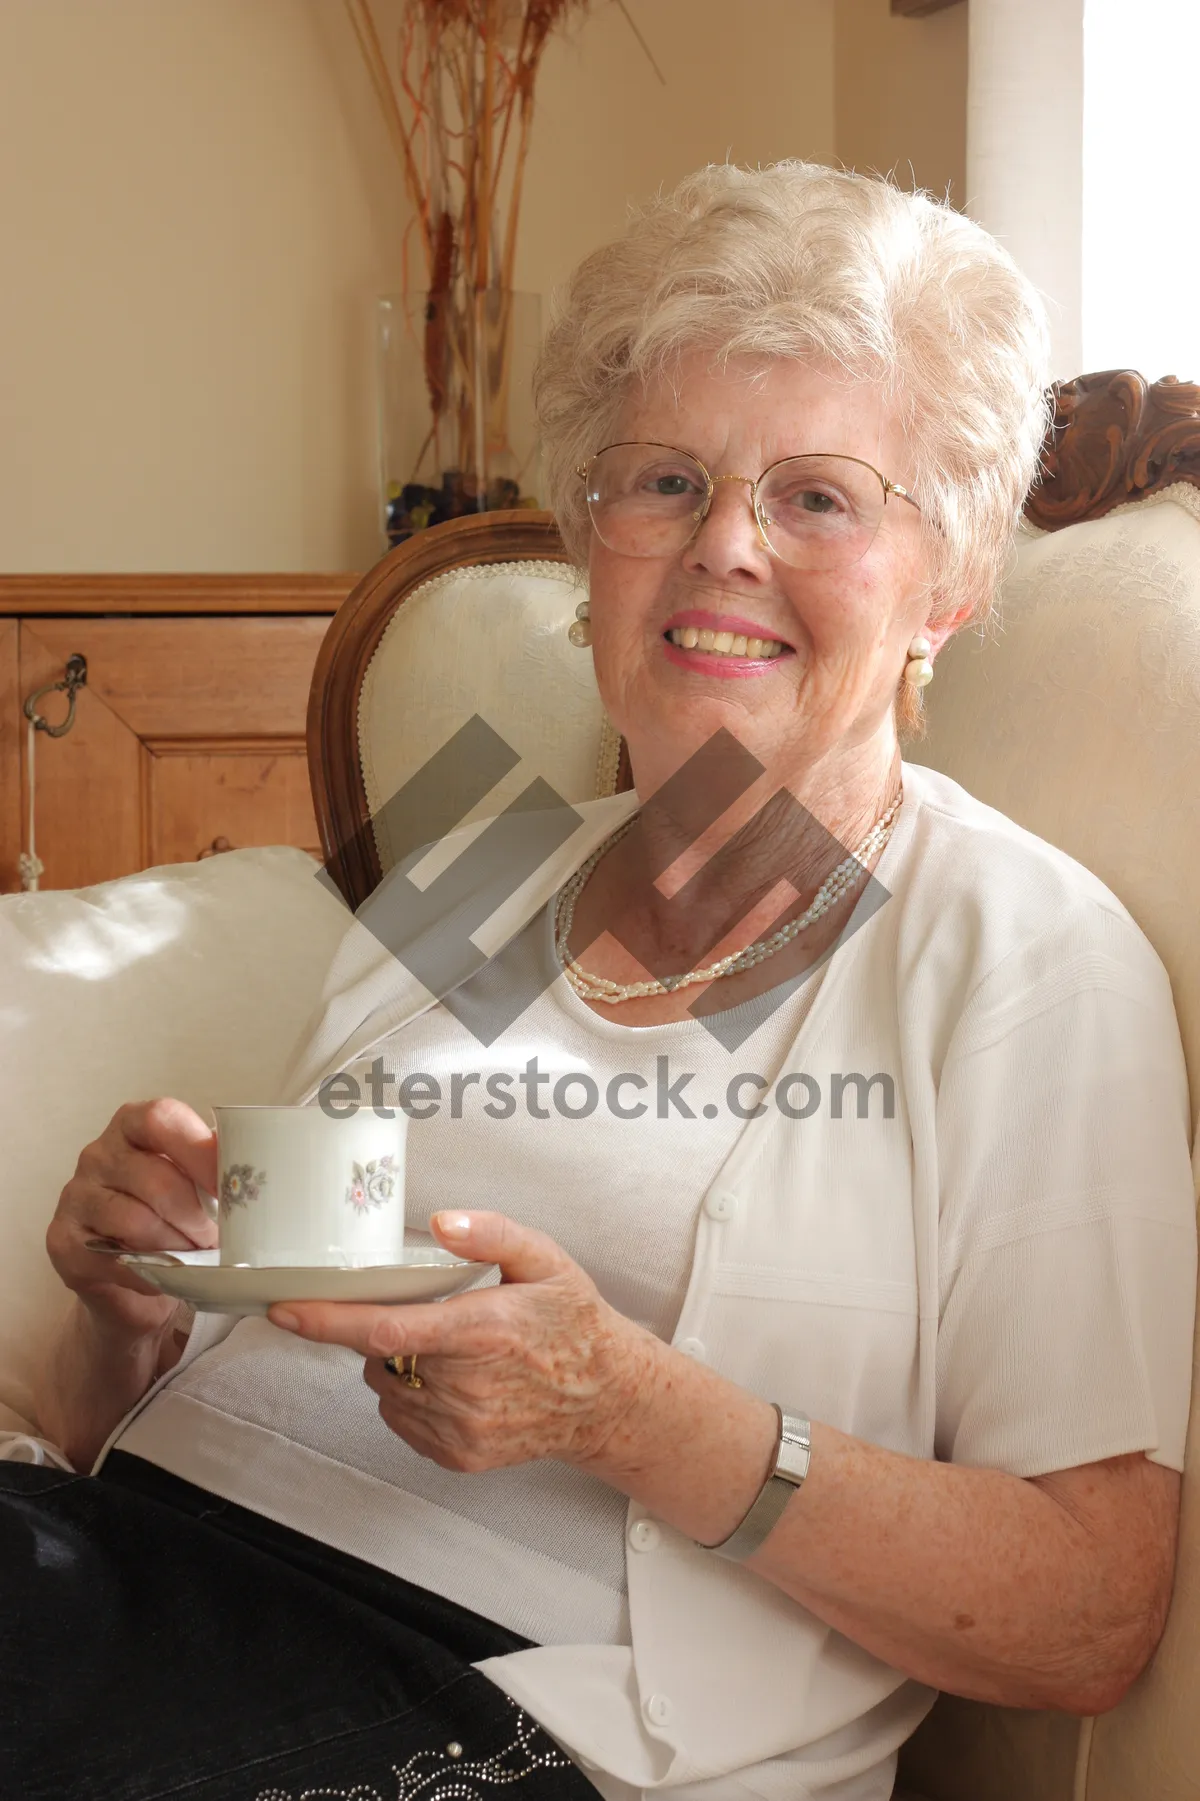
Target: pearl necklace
x,y
599,988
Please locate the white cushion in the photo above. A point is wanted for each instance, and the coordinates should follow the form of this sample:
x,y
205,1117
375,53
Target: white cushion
x,y
1079,716
193,981
493,641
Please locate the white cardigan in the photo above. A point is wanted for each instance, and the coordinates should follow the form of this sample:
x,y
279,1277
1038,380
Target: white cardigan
x,y
901,1278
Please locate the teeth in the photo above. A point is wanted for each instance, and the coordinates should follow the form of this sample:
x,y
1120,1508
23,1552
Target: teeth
x,y
724,644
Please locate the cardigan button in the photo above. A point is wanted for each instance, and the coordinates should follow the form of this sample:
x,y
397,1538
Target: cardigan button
x,y
644,1535
658,1710
693,1347
720,1206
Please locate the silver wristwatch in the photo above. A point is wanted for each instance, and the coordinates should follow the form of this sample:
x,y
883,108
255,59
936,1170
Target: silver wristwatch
x,y
792,1453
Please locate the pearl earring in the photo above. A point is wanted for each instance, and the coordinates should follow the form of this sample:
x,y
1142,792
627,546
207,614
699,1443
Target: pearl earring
x,y
580,629
918,671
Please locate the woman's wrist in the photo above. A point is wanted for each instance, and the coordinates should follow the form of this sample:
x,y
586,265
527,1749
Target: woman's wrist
x,y
691,1446
100,1367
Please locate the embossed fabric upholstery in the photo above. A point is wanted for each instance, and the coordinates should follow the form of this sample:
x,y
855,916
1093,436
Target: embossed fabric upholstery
x,y
490,641
193,980
1080,718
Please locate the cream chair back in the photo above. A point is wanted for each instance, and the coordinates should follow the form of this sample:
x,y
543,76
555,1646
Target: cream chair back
x,y
486,642
1079,717
450,662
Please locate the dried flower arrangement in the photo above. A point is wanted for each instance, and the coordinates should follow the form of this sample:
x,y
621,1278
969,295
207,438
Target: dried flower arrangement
x,y
457,99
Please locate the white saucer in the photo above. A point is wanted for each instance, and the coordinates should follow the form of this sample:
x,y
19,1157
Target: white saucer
x,y
427,1274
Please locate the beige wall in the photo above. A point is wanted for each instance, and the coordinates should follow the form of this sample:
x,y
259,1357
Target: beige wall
x,y
199,206
900,95
752,80
189,237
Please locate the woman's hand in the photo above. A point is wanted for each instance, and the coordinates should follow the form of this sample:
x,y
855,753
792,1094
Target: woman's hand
x,y
134,1184
540,1367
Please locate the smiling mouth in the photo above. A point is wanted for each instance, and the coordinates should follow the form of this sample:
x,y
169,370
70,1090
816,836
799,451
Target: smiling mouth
x,y
725,644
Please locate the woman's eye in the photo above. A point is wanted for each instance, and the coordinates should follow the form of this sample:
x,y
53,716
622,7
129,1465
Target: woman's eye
x,y
671,486
813,500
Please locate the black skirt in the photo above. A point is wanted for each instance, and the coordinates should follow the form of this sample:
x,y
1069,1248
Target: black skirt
x,y
157,1641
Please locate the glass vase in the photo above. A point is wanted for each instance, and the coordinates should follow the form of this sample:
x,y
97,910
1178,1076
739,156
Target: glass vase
x,y
456,426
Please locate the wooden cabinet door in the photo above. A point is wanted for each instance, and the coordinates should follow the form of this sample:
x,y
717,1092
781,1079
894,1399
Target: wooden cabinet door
x,y
188,731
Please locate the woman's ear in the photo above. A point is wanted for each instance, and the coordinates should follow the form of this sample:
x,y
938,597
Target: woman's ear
x,y
910,700
938,631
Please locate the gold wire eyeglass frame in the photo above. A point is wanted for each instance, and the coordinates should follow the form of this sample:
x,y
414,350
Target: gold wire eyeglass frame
x,y
889,487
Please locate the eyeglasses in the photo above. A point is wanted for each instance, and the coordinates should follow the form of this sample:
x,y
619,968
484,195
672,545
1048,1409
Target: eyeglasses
x,y
814,512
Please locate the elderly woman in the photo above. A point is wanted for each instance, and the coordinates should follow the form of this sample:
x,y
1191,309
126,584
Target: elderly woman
x,y
842,1354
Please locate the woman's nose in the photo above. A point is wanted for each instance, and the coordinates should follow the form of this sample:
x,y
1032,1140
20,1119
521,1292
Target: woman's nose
x,y
728,541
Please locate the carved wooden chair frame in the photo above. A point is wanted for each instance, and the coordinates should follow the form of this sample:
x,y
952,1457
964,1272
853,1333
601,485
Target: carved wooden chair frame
x,y
334,765
1114,438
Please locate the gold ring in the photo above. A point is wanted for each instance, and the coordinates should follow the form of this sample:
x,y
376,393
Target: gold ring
x,y
408,1376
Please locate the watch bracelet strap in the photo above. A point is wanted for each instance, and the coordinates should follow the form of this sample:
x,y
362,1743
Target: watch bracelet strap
x,y
789,1467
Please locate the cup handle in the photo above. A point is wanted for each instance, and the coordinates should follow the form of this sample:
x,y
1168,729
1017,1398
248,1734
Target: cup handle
x,y
207,1201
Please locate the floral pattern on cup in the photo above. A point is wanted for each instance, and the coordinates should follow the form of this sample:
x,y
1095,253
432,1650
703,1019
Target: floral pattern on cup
x,y
240,1183
372,1184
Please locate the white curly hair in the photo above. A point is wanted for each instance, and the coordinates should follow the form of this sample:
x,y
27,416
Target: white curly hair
x,y
797,260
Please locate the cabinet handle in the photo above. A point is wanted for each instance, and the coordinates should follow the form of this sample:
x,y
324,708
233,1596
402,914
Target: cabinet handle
x,y
217,848
29,863
74,679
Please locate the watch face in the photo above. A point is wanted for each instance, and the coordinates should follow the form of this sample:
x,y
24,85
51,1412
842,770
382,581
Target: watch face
x,y
794,1453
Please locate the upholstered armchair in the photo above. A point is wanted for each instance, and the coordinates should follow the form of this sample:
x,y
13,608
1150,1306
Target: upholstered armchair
x,y
1077,713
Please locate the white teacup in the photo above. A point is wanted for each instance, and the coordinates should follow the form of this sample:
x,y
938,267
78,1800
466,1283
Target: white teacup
x,y
296,1187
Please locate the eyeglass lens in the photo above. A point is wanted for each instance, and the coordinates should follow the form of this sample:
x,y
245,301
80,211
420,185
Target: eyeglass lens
x,y
816,512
